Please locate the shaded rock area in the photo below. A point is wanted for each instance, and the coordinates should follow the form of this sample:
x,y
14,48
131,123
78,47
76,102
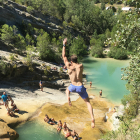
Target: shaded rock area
x,y
14,14
6,133
18,71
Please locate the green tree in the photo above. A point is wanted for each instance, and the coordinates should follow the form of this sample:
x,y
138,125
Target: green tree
x,y
107,33
20,43
45,51
128,32
7,34
97,51
87,20
103,6
30,9
78,47
29,40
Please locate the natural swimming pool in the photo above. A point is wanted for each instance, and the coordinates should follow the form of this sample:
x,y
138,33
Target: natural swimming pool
x,y
105,75
35,130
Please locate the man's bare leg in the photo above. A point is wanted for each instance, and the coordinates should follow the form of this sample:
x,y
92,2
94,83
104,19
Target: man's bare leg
x,y
68,96
90,109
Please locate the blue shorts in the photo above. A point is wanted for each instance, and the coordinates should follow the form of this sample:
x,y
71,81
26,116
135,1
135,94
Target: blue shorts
x,y
81,90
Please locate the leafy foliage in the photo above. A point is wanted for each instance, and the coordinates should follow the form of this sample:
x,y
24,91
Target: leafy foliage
x,y
7,33
97,51
129,32
78,47
46,53
117,53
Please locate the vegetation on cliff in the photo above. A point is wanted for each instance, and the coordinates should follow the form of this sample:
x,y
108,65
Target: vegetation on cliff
x,y
94,23
127,37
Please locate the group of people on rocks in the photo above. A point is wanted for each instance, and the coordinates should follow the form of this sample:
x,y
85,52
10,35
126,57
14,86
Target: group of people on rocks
x,y
54,68
61,126
5,101
63,66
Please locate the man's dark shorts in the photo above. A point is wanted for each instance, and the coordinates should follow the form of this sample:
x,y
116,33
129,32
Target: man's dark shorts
x,y
81,90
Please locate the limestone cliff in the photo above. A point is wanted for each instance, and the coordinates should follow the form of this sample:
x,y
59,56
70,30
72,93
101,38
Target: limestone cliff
x,y
14,14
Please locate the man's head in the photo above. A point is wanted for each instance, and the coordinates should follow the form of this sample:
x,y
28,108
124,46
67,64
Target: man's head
x,y
73,58
4,93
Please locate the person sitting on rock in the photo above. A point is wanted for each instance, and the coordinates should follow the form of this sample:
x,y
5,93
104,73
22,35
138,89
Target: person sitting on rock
x,y
65,126
55,68
59,126
10,99
50,121
68,133
14,108
75,135
10,112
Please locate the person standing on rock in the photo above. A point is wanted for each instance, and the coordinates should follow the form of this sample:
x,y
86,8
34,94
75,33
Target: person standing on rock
x,y
75,72
41,85
4,99
100,93
90,84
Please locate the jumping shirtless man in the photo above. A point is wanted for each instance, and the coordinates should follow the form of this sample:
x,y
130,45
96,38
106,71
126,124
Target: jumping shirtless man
x,y
75,72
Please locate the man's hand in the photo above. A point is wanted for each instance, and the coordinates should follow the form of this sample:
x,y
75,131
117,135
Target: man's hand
x,y
65,41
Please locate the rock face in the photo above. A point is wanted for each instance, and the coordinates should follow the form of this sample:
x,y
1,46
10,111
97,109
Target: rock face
x,y
6,132
54,84
116,122
12,13
13,70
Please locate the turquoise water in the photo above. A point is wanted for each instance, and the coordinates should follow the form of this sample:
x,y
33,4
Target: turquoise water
x,y
34,130
105,75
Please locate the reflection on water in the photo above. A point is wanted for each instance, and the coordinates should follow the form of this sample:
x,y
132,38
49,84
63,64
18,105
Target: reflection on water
x,y
105,74
35,130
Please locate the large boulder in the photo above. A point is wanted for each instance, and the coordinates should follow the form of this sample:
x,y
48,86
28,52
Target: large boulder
x,y
6,132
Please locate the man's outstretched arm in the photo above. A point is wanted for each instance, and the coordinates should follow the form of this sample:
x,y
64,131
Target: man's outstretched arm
x,y
64,52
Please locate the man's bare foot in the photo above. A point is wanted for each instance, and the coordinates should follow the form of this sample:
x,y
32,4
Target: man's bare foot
x,y
70,104
92,123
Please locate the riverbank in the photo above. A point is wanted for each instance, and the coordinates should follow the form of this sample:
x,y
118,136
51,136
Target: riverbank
x,y
54,103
